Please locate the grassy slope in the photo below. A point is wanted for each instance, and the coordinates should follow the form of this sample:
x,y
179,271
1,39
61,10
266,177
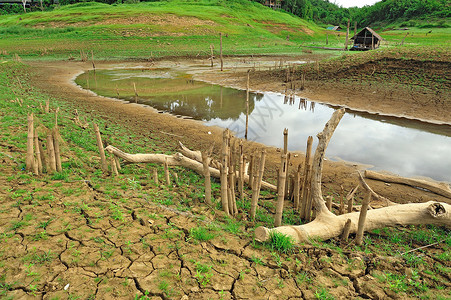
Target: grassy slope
x,y
154,29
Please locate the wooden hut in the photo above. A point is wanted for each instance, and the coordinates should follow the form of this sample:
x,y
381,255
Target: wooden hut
x,y
366,39
334,28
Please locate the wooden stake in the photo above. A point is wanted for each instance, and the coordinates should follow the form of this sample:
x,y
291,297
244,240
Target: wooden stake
x,y
362,218
30,141
329,203
350,198
206,164
247,105
305,185
113,167
251,171
346,230
281,190
51,152
211,57
56,116
38,152
103,163
224,170
327,38
118,163
241,164
220,50
92,60
166,172
56,146
296,191
45,164
224,198
155,176
257,184
136,93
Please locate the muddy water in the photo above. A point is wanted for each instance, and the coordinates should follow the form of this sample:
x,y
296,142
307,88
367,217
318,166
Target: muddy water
x,y
405,147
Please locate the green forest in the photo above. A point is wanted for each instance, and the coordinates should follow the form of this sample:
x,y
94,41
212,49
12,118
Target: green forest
x,y
432,13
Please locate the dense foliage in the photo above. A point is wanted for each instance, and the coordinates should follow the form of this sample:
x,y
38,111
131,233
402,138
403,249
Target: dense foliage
x,y
323,11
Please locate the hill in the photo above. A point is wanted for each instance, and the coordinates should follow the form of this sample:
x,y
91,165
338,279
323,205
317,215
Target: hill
x,y
154,29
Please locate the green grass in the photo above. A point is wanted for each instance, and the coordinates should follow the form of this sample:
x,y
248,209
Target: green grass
x,y
175,28
201,234
281,242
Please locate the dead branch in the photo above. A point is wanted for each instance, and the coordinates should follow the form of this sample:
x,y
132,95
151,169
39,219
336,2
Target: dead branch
x,y
442,189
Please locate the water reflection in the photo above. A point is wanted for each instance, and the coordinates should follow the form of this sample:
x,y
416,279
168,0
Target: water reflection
x,y
406,147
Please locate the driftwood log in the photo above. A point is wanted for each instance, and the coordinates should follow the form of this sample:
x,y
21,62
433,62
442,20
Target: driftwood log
x,y
327,225
442,189
177,159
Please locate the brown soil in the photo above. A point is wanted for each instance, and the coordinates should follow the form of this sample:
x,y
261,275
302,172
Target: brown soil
x,y
89,253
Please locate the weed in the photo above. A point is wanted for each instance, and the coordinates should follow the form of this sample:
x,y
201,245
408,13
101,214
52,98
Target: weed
x,y
201,234
257,260
203,273
323,294
281,242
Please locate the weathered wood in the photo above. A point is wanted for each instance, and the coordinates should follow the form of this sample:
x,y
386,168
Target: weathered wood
x,y
346,230
29,161
51,152
45,164
166,172
155,176
257,184
329,203
56,146
220,51
247,106
103,164
113,167
281,191
305,212
241,164
206,169
38,152
442,189
297,179
251,171
350,198
362,218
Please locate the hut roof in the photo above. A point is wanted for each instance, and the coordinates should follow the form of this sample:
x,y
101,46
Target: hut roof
x,y
336,28
370,30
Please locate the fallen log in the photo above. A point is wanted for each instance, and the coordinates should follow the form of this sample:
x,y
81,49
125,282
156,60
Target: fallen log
x,y
442,189
327,225
177,159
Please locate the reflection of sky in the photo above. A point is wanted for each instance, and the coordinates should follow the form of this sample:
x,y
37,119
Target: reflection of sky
x,y
405,151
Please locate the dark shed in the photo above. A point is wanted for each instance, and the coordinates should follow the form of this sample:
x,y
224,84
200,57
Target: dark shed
x,y
366,39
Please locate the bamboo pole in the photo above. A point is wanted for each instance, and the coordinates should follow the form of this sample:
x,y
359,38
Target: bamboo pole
x,y
297,179
56,116
251,171
45,164
51,152
103,163
281,191
30,141
56,146
38,152
224,171
305,185
257,184
362,219
220,50
241,170
211,57
206,163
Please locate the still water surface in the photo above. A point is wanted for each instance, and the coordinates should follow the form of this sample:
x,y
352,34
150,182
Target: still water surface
x,y
405,147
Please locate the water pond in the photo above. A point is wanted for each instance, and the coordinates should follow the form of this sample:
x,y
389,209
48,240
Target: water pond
x,y
406,147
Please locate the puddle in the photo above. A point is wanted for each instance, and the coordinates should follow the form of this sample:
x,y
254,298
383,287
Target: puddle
x,y
405,147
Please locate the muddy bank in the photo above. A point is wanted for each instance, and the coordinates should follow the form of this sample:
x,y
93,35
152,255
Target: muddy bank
x,y
56,79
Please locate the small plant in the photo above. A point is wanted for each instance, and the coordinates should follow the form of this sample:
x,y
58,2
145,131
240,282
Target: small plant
x,y
257,260
323,294
201,234
203,273
281,242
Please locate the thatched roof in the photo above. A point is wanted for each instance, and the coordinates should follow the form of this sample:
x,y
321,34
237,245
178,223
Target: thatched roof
x,y
371,31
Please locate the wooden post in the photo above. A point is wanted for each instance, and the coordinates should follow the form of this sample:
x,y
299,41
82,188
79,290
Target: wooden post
x,y
47,106
327,38
56,146
306,186
155,176
329,203
297,179
103,163
251,171
220,50
136,93
281,191
241,163
362,218
347,36
166,172
372,42
113,167
117,92
206,165
355,29
402,42
38,152
303,80
211,57
224,171
350,198
56,116
92,60
30,141
51,152
346,230
247,106
118,163
257,184
45,164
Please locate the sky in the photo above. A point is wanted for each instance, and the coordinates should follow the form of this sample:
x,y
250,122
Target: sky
x,y
351,3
